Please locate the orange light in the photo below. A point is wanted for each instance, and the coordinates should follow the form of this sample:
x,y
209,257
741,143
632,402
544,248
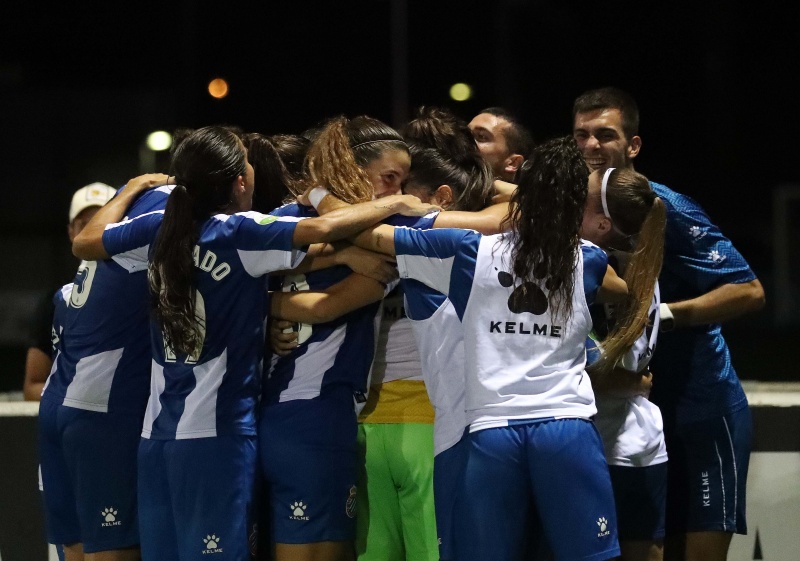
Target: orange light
x,y
218,88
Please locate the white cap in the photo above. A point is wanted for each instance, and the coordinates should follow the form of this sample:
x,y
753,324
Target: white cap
x,y
94,194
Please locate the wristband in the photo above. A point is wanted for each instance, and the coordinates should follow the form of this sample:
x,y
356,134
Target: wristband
x,y
316,195
667,319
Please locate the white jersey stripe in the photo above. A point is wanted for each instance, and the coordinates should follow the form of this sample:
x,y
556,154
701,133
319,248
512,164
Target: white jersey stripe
x,y
259,263
434,273
157,383
199,417
319,357
91,386
133,261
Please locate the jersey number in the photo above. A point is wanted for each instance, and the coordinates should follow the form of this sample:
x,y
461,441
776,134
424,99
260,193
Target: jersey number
x,y
83,284
297,283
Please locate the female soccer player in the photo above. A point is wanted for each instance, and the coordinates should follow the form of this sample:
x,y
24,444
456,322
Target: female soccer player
x,y
311,394
522,299
625,217
208,268
396,507
93,403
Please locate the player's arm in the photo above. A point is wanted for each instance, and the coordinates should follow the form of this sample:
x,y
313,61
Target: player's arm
x,y
614,290
504,191
726,291
351,219
368,263
353,292
88,244
379,239
723,303
490,220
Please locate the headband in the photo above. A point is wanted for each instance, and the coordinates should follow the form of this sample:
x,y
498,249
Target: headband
x,y
603,189
374,141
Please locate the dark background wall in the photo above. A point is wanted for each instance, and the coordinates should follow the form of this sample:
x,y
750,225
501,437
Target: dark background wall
x,y
83,82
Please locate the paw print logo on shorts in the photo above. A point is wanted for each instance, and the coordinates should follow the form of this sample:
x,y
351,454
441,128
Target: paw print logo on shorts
x,y
211,541
602,524
527,297
298,508
109,514
350,504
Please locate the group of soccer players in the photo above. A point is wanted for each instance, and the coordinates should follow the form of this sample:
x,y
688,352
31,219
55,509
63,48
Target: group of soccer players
x,y
504,398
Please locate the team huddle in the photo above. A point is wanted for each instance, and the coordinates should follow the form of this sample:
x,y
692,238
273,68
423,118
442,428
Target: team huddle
x,y
444,342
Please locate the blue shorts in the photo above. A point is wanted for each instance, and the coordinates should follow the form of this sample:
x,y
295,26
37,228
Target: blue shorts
x,y
640,494
88,463
448,471
707,474
308,459
196,497
556,465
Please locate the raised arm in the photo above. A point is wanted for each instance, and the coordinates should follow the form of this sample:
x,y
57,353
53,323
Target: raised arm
x,y
88,244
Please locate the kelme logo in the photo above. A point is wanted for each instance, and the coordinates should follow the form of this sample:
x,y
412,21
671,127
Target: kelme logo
x,y
266,219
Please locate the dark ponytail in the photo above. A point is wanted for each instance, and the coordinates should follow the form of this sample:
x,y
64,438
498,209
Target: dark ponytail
x,y
274,185
205,166
546,215
443,152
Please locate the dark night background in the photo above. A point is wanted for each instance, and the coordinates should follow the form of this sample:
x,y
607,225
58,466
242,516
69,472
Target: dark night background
x,y
84,82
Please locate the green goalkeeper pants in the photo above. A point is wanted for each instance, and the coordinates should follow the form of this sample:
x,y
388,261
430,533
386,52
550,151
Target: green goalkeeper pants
x,y
395,513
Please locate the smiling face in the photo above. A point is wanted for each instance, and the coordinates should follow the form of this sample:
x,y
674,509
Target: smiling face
x,y
388,172
602,140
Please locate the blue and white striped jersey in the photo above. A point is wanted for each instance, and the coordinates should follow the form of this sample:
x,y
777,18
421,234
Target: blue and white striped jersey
x,y
439,336
332,354
216,391
101,325
521,360
397,356
693,376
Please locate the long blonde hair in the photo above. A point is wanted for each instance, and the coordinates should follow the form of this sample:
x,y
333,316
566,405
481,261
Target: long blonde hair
x,y
639,218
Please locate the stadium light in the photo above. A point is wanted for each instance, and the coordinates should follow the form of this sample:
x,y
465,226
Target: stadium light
x,y
460,92
158,141
218,88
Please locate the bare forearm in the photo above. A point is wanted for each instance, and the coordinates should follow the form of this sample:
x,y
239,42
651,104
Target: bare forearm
x,y
487,221
346,221
613,290
319,256
348,295
379,239
724,303
88,244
